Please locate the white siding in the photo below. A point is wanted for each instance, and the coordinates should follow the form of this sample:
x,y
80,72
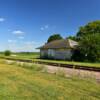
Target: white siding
x,y
63,54
43,52
51,52
57,54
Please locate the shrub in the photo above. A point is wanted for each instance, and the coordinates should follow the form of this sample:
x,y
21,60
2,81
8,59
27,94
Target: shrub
x,y
77,56
7,53
31,66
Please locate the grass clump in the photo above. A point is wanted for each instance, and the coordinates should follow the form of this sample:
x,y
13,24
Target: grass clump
x,y
60,72
31,66
9,62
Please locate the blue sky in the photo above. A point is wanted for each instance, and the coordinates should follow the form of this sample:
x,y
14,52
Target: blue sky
x,y
27,24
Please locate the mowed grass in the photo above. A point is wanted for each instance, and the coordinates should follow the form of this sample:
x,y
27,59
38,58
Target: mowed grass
x,y
27,56
22,55
85,64
18,83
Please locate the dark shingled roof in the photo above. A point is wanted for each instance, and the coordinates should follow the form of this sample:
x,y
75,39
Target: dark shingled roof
x,y
63,43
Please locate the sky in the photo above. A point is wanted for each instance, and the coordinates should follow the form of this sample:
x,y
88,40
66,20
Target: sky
x,y
27,24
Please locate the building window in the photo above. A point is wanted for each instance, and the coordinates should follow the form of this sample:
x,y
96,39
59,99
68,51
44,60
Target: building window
x,y
51,52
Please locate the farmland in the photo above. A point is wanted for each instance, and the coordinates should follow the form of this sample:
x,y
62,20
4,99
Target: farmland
x,y
21,83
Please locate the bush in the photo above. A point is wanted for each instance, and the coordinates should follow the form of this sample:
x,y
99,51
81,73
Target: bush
x,y
90,47
7,53
77,56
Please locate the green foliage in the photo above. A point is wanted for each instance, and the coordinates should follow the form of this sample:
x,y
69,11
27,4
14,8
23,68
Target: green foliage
x,y
7,53
89,43
58,62
54,37
77,55
72,38
90,47
90,28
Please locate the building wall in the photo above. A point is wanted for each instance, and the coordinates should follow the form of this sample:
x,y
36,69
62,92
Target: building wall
x,y
56,53
43,53
63,54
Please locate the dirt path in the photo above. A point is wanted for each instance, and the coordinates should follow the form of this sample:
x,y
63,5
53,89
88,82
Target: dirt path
x,y
69,72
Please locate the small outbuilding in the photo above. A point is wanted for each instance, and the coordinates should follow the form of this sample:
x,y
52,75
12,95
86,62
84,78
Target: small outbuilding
x,y
58,49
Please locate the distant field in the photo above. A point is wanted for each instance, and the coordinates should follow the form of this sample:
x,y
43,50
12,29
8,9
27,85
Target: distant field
x,y
23,55
21,83
27,56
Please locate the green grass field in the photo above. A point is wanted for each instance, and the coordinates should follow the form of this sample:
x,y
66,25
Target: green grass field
x,y
23,55
70,62
19,83
27,56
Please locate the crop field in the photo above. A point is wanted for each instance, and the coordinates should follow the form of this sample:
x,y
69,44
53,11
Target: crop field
x,y
23,83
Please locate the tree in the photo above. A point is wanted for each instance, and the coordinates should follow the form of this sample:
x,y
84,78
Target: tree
x,y
89,47
90,28
88,37
54,37
7,53
72,38
77,55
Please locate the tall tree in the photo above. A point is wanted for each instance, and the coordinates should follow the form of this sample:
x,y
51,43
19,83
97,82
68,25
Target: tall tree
x,y
90,28
72,38
89,42
90,47
54,37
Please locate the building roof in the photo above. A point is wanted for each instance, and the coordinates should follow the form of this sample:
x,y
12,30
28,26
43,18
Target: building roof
x,y
58,44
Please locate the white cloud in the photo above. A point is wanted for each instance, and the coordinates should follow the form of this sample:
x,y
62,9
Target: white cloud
x,y
9,30
44,27
41,28
30,46
30,43
12,41
21,37
2,19
18,32
9,41
26,46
